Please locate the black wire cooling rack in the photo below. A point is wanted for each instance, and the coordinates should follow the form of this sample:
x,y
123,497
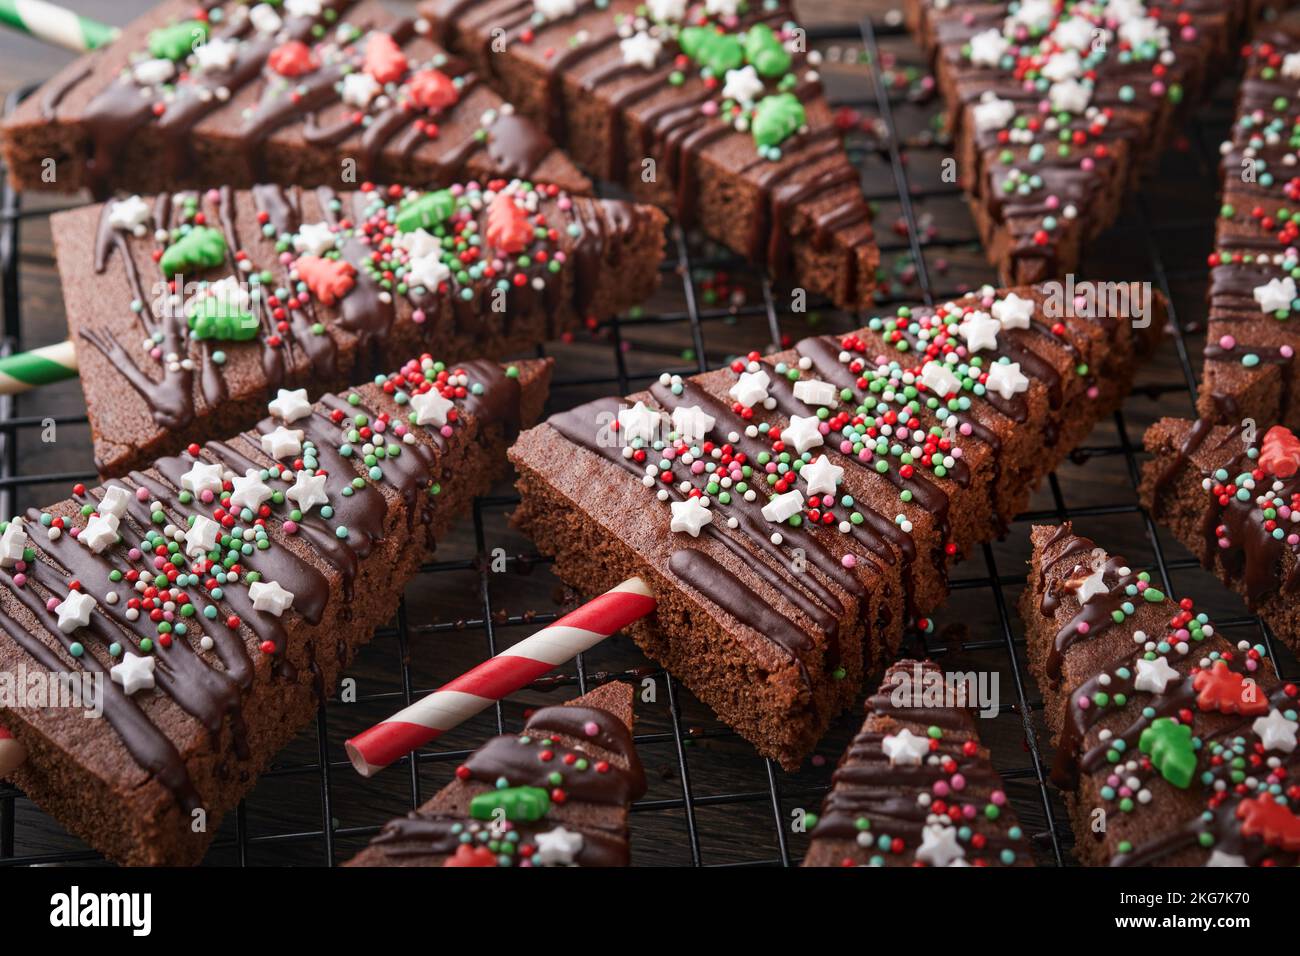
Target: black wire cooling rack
x,y
712,800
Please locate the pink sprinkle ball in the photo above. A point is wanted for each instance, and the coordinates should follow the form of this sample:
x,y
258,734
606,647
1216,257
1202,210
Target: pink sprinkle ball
x,y
457,189
290,527
1227,342
379,425
697,468
1093,392
849,561
418,316
52,603
20,579
941,788
1088,164
1286,351
998,798
969,811
564,202
134,554
958,781
214,196
1083,627
206,496
591,728
446,431
1083,702
710,108
142,494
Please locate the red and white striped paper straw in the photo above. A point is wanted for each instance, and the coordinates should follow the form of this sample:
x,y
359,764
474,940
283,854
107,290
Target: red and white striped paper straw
x,y
511,670
12,753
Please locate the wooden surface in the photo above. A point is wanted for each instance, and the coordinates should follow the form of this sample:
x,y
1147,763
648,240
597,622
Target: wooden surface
x,y
734,813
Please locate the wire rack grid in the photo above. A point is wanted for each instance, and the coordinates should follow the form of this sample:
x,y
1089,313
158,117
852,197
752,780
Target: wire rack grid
x,y
712,800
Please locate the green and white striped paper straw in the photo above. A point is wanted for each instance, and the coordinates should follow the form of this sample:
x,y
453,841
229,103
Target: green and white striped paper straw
x,y
50,363
56,25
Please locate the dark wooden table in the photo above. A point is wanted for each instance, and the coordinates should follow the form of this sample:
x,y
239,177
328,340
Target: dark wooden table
x,y
712,800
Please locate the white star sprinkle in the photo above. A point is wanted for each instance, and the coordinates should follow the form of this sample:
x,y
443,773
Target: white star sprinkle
x,y
691,422
268,596
988,48
939,379
690,516
249,491
74,611
1154,676
803,433
939,846
750,388
314,239
308,490
743,85
431,408
782,507
13,543
812,392
100,532
289,406
558,847
638,422
202,536
115,501
1005,379
1013,311
135,673
1277,295
283,442
980,330
821,475
905,748
130,215
202,477
1275,732
640,49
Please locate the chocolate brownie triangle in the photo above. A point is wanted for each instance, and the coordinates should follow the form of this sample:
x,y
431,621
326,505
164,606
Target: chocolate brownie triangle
x,y
216,597
1057,108
1250,352
308,92
1175,745
555,794
792,511
1233,499
191,309
916,786
714,112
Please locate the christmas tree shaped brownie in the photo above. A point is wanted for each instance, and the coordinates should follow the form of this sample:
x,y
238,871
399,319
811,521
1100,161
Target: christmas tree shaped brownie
x,y
219,594
1057,107
307,92
714,111
1232,497
915,786
555,794
1175,745
792,511
1250,352
191,309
